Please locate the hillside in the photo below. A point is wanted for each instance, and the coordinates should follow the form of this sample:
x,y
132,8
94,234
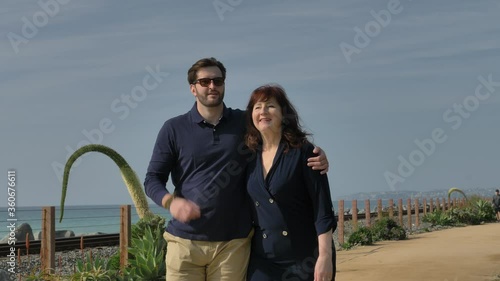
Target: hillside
x,y
404,194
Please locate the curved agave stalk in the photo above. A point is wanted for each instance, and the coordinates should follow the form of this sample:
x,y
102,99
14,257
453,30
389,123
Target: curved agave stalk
x,y
454,189
128,175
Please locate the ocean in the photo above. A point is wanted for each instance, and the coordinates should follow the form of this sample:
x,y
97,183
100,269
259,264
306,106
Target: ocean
x,y
80,219
87,219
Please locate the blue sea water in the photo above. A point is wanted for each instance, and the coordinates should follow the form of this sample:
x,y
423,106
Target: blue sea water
x,y
80,219
99,218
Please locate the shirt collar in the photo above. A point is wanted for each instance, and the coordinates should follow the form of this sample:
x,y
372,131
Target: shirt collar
x,y
197,118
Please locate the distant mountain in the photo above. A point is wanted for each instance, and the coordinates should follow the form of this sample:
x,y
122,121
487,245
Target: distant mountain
x,y
405,194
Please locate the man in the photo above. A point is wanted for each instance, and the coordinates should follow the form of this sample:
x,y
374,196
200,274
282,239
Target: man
x,y
496,204
204,152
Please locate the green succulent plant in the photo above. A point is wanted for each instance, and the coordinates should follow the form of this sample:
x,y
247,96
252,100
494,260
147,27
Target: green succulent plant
x,y
476,211
362,236
93,269
147,261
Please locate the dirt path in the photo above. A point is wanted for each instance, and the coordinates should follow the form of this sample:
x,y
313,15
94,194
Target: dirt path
x,y
459,254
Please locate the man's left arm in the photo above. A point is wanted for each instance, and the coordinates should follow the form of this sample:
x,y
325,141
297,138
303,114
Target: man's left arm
x,y
319,162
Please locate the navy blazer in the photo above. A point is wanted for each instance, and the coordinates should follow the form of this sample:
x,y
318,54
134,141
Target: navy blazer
x,y
290,207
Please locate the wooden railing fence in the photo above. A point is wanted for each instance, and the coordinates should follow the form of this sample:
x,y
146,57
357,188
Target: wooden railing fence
x,y
413,210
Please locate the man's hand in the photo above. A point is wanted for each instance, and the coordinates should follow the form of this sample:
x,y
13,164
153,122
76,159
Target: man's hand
x,y
319,162
184,210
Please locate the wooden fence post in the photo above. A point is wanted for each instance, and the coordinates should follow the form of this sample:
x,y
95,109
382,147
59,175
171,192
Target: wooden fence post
x,y
444,204
400,212
424,204
341,222
125,234
379,209
417,213
367,213
48,243
408,212
391,208
431,207
354,211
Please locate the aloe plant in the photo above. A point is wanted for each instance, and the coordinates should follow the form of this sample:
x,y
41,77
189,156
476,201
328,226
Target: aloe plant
x,y
93,269
147,260
130,178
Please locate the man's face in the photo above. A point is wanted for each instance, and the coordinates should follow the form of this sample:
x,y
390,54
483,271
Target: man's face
x,y
211,95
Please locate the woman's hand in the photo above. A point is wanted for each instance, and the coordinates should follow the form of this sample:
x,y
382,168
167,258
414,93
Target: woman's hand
x,y
323,271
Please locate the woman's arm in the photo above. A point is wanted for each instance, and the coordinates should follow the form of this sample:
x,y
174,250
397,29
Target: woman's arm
x,y
324,267
324,218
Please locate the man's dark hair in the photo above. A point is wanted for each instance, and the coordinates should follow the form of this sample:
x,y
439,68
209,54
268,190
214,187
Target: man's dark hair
x,y
497,190
205,62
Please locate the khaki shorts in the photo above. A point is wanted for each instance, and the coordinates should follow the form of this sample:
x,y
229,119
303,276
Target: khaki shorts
x,y
192,260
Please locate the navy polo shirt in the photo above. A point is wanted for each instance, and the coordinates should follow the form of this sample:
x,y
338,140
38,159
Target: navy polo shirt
x,y
207,165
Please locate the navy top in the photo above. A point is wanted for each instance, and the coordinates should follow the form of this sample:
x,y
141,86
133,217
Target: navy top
x,y
207,164
291,206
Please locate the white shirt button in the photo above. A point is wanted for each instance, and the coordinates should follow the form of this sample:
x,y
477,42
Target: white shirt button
x,y
257,203
285,233
264,236
271,200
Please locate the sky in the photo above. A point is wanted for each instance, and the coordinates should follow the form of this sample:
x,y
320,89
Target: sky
x,y
401,95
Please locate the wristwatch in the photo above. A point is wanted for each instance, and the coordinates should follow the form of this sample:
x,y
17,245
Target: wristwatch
x,y
168,202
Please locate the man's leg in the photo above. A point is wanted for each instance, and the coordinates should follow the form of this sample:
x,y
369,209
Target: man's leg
x,y
185,260
230,260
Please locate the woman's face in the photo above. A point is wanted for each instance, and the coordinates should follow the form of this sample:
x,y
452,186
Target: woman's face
x,y
267,116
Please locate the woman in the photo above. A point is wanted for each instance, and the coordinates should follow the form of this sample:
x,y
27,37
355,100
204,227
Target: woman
x,y
292,208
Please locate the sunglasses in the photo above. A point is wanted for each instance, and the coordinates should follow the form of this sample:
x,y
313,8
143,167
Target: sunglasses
x,y
205,82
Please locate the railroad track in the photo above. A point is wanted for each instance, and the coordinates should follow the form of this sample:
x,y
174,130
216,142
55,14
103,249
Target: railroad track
x,y
65,244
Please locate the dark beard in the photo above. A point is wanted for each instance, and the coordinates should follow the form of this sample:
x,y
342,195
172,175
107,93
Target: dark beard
x,y
215,103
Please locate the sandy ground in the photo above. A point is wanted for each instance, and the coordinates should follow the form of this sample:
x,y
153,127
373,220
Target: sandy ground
x,y
458,254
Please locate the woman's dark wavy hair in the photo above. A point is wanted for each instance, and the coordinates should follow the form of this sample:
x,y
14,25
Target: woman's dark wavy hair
x,y
292,133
